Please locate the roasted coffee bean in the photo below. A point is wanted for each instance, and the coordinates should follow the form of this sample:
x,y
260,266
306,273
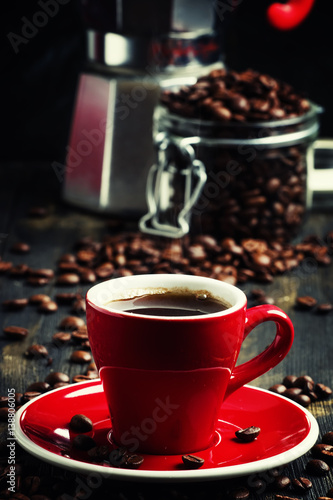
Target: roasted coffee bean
x,y
99,453
38,298
15,304
317,467
61,337
327,438
278,388
292,392
5,266
81,378
306,302
301,484
19,270
80,423
302,399
42,273
83,442
37,281
324,308
248,434
239,493
48,306
80,357
36,351
105,270
57,377
86,256
38,387
281,482
305,383
79,306
29,395
323,391
15,332
68,279
66,297
72,323
80,335
3,401
20,247
192,461
133,461
289,380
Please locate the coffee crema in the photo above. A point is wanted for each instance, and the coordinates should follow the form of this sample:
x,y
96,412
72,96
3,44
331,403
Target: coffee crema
x,y
175,302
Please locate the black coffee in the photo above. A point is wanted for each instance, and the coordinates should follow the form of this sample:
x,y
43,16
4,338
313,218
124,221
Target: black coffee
x,y
182,302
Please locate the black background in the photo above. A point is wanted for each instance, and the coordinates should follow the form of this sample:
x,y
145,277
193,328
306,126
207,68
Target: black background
x,y
38,82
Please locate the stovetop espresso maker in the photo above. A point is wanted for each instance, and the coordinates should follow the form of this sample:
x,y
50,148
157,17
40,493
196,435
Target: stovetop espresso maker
x,y
135,48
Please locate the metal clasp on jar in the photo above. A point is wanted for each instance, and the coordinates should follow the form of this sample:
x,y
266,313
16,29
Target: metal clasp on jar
x,y
174,185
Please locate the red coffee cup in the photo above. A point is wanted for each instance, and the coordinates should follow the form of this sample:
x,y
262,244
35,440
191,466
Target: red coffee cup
x,y
165,377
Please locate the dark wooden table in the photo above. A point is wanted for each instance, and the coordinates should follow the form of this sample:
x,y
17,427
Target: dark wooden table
x,y
23,186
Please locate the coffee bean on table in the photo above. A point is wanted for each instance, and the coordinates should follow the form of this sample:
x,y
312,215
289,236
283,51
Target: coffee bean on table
x,y
317,467
289,380
192,461
68,279
301,484
36,351
328,438
48,306
42,273
306,302
248,434
66,297
38,298
3,401
61,337
57,377
72,323
80,423
37,281
323,391
278,388
83,442
281,482
15,304
20,247
5,266
38,387
15,332
80,335
29,395
323,451
80,357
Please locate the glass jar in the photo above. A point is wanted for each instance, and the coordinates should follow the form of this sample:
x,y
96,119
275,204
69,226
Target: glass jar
x,y
230,179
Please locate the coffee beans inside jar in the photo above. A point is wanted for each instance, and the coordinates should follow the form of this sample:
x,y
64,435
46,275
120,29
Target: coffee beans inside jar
x,y
245,130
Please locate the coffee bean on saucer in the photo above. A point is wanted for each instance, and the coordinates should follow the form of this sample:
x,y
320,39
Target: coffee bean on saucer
x,y
133,461
57,377
72,323
83,442
192,461
301,484
15,332
36,351
80,357
317,467
81,423
248,434
99,453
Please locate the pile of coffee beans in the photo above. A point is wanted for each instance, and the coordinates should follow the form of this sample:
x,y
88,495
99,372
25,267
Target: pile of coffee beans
x,y
227,95
302,390
250,190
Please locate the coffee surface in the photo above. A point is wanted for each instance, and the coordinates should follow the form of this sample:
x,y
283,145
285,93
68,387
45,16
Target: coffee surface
x,y
171,303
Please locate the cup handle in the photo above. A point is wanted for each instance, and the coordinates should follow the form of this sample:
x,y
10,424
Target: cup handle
x,y
272,355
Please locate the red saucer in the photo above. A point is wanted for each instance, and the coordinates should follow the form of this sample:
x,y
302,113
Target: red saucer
x,y
287,432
